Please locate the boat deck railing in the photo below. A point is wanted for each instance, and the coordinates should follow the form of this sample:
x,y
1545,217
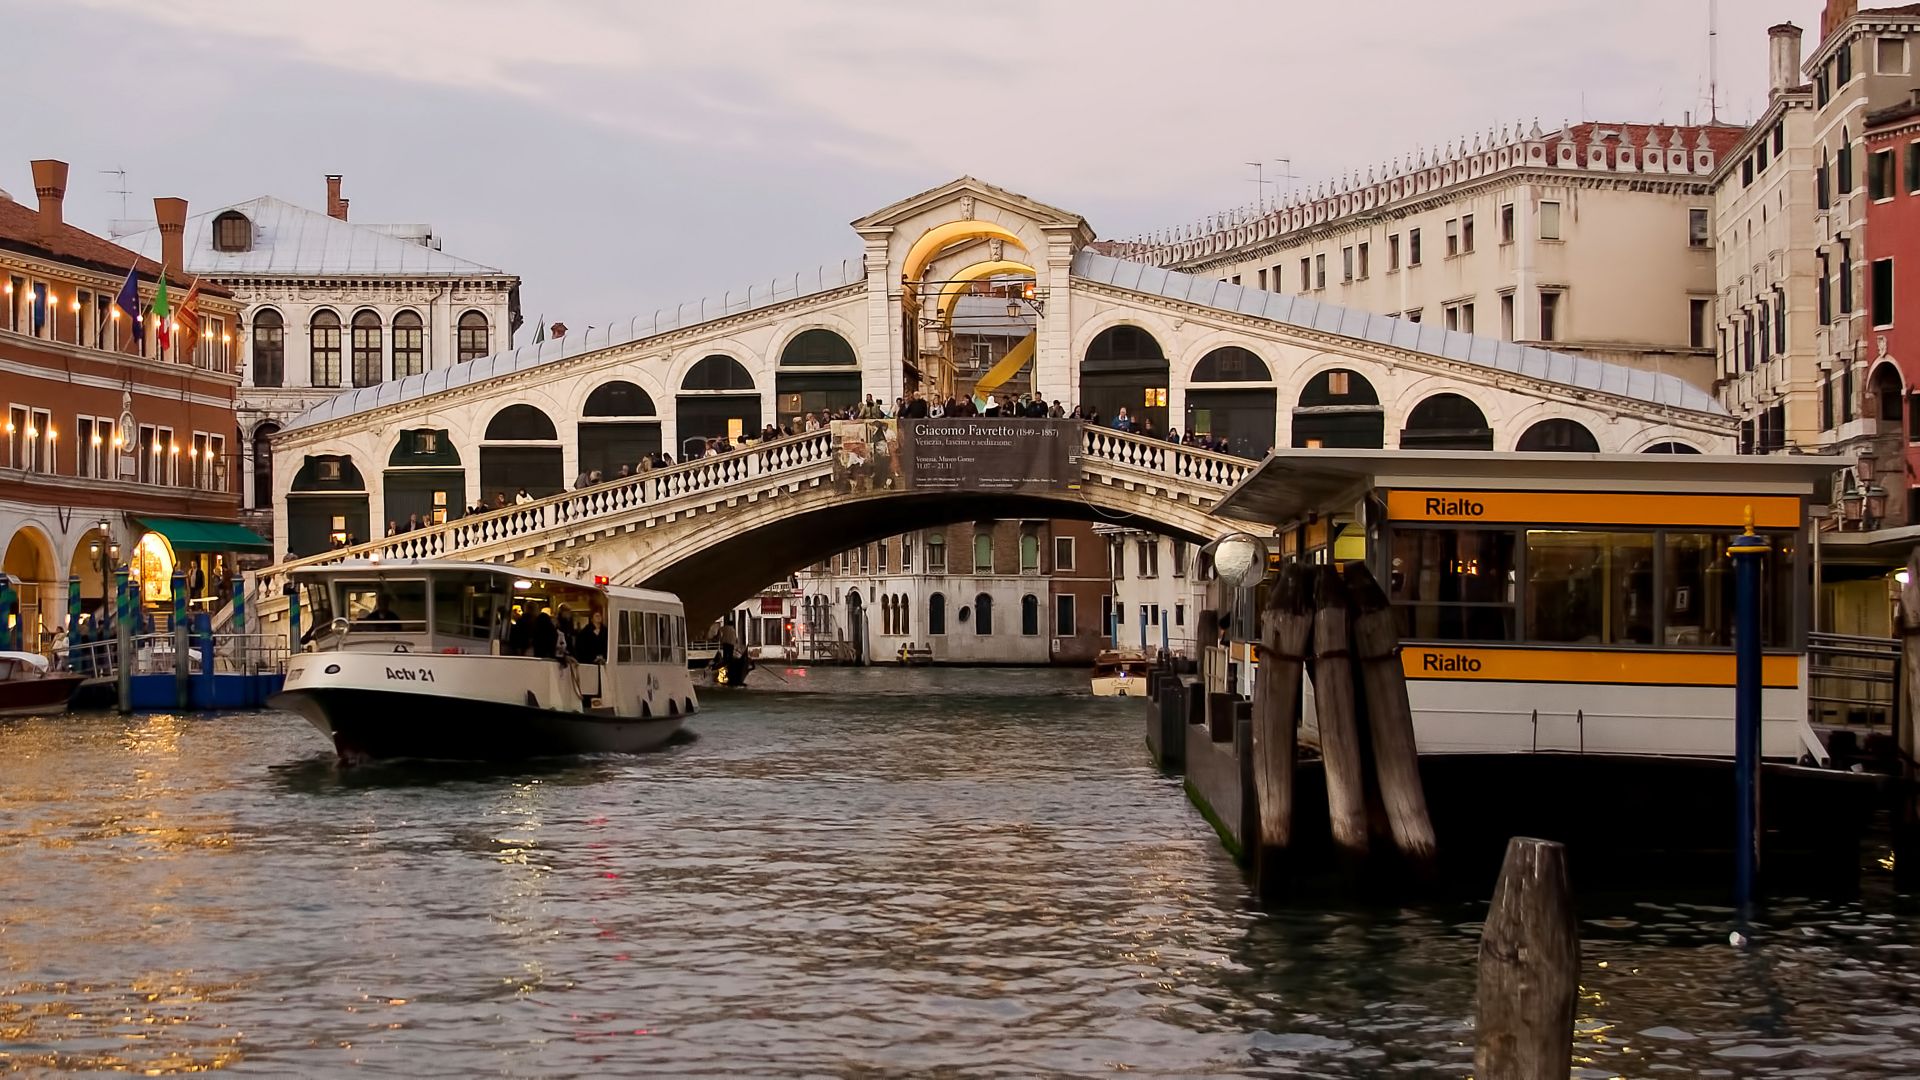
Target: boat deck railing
x,y
1853,681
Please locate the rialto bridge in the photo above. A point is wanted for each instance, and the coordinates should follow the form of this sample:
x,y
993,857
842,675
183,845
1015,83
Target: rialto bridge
x,y
1254,368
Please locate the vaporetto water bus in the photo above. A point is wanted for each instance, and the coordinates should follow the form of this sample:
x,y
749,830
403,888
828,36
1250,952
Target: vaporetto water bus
x,y
456,660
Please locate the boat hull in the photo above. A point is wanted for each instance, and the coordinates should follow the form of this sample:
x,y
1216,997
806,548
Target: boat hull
x,y
384,724
38,695
1119,686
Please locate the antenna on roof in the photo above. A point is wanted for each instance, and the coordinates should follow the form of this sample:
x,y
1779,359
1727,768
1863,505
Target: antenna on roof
x,y
1260,183
1287,174
1713,61
121,191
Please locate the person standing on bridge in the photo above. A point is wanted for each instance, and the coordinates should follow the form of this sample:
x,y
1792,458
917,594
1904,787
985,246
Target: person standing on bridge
x,y
1123,422
521,498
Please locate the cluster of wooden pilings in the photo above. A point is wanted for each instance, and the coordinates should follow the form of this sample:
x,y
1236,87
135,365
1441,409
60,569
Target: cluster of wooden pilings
x,y
1330,628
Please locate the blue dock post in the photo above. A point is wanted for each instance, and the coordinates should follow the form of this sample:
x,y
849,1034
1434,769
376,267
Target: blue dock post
x,y
293,620
1747,552
182,666
207,698
73,619
123,637
10,611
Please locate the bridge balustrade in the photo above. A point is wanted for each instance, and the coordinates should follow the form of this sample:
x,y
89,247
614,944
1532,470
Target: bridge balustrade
x,y
1106,453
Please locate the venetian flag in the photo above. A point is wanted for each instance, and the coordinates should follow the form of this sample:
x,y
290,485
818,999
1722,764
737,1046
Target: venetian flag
x,y
189,316
162,314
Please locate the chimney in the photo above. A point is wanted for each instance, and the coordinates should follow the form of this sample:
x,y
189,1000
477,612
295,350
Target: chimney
x,y
1835,15
1783,57
336,206
50,183
172,216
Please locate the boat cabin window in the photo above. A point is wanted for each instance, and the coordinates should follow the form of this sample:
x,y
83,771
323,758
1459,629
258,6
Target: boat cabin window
x,y
1637,588
471,604
651,637
385,606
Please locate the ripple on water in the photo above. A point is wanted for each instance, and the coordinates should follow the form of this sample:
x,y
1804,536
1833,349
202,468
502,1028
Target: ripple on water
x,y
872,872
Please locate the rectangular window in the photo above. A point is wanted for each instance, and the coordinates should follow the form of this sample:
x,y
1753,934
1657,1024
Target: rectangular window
x,y
1506,223
1453,237
1779,320
1847,402
881,555
1589,587
1466,234
1460,317
148,452
18,452
1843,170
906,554
1890,55
1699,315
1454,584
1179,614
1306,274
1147,549
865,559
1826,404
1412,315
1363,261
1413,247
1760,156
1846,276
1823,294
1779,137
1063,616
1699,227
1506,316
1179,558
1913,418
86,450
1697,608
1393,245
1880,175
1820,92
1346,265
197,461
17,304
1843,65
1913,168
1549,221
1549,315
1062,553
1882,299
1263,279
1320,271
1236,279
936,555
1746,173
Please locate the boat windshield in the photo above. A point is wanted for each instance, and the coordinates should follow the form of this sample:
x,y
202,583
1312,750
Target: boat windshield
x,y
458,610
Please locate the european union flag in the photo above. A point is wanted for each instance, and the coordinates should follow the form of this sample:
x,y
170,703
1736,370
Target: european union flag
x,y
39,305
128,300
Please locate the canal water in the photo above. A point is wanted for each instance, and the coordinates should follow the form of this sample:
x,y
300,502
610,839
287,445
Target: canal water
x,y
863,873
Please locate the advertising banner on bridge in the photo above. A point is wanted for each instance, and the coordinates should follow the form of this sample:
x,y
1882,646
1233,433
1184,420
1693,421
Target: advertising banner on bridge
x,y
970,453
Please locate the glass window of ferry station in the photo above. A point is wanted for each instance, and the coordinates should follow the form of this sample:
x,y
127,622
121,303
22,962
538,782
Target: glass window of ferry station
x,y
1649,588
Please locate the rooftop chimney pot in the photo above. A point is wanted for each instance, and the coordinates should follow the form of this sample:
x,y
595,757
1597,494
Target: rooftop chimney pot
x,y
171,214
1783,57
50,183
336,206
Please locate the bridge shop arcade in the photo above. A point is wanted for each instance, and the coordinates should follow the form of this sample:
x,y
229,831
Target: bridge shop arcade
x,y
1566,628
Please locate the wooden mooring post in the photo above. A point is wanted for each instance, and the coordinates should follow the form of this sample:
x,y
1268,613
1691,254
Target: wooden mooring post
x,y
1383,682
1340,740
1906,815
1287,630
1529,968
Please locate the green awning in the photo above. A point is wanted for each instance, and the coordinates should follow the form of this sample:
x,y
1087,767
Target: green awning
x,y
187,535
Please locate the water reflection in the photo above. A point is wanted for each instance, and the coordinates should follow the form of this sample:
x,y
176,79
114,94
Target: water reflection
x,y
876,872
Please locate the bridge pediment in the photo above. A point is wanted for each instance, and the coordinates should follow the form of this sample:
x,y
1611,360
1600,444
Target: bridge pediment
x,y
917,230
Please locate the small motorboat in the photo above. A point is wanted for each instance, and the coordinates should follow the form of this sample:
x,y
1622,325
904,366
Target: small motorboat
x,y
470,661
1121,673
28,686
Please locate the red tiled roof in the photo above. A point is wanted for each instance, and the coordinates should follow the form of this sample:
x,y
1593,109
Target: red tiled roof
x,y
1903,9
20,231
1721,138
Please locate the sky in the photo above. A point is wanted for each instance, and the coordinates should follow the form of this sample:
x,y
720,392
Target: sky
x,y
623,155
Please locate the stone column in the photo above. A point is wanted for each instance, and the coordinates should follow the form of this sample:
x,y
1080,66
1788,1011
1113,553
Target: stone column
x,y
880,359
1056,371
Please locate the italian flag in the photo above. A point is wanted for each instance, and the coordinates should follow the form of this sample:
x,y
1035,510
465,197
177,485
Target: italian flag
x,y
162,314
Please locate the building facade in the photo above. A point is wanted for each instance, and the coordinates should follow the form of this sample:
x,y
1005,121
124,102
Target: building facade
x,y
991,592
1594,240
1159,589
1893,309
331,305
113,440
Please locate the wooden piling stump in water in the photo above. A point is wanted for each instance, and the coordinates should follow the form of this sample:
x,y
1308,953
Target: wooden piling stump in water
x,y
1340,748
1529,968
1396,759
1287,631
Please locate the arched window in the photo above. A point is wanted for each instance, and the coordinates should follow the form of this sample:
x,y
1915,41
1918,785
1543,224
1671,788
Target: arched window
x,y
1885,384
409,344
520,423
1559,436
263,465
983,553
1125,368
475,337
936,553
1670,448
937,614
1446,422
901,607
1029,553
366,348
232,231
817,348
1030,615
1231,363
983,615
269,348
717,373
324,348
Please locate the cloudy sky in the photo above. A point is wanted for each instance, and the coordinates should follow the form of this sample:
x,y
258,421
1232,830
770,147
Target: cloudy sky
x,y
624,154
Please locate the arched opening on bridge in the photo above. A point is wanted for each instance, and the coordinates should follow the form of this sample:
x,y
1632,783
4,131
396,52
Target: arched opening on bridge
x,y
424,482
1241,418
818,370
1126,368
618,427
30,566
521,451
717,398
1339,409
1446,422
1559,436
1671,447
327,506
